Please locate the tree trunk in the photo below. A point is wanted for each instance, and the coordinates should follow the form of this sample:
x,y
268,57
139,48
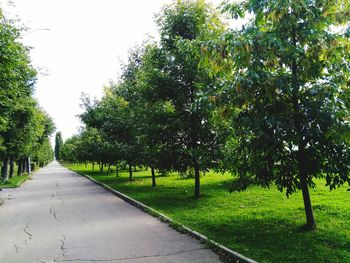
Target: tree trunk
x,y
23,166
4,170
310,220
130,172
117,169
153,177
101,168
28,166
19,169
93,166
12,168
197,190
109,168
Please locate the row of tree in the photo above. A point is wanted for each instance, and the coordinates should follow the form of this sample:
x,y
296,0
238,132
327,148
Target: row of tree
x,y
268,102
24,127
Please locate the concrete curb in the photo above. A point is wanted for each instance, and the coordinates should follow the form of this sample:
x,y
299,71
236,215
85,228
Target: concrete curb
x,y
223,251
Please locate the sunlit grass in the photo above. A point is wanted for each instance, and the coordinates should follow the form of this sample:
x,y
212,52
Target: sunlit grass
x,y
260,223
15,181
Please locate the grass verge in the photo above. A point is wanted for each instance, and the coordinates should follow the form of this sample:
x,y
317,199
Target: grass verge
x,y
260,223
15,181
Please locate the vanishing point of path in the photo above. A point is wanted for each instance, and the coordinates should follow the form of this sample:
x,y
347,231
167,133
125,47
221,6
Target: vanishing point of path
x,y
60,216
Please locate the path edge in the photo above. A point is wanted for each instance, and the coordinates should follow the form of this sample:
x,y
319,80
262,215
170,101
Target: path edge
x,y
29,177
223,251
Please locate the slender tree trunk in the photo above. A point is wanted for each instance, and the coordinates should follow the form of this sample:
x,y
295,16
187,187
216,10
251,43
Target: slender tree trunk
x,y
101,168
85,164
310,220
4,170
130,172
28,166
117,169
109,168
19,169
12,168
93,166
23,165
197,186
153,177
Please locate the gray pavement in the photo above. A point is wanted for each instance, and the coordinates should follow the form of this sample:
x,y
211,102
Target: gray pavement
x,y
60,216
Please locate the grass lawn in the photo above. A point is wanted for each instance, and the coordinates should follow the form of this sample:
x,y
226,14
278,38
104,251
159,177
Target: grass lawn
x,y
15,181
259,223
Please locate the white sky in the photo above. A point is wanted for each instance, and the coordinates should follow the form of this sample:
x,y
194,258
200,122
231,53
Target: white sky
x,y
82,50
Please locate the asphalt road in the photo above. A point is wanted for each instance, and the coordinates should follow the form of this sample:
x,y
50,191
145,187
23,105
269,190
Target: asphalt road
x,y
59,216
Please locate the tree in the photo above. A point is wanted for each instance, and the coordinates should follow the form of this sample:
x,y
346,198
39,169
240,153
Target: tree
x,y
68,151
58,145
114,119
21,120
287,100
194,141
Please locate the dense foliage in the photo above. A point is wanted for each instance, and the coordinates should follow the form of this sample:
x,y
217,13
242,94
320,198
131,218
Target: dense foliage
x,y
288,95
58,145
268,102
24,127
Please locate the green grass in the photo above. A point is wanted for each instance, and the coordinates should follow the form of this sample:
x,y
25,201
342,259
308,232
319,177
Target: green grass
x,y
260,223
15,181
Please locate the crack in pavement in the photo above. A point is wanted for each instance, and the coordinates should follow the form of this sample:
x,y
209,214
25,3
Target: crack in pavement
x,y
53,212
17,248
64,250
85,221
55,216
130,258
27,232
60,198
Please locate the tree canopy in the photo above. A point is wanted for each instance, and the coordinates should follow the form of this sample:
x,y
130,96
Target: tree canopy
x,y
24,126
268,102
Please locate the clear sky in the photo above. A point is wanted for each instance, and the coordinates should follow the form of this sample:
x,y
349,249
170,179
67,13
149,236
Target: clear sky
x,y
82,49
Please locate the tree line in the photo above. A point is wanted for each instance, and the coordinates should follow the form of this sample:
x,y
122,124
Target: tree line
x,y
24,126
268,102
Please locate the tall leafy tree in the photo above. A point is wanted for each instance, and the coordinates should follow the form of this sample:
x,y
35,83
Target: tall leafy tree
x,y
21,119
287,100
194,140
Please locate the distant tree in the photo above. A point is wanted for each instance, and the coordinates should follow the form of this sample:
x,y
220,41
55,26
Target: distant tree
x,y
68,150
286,94
114,119
58,145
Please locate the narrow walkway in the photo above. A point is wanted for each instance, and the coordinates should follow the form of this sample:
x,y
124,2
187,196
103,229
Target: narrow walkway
x,y
59,216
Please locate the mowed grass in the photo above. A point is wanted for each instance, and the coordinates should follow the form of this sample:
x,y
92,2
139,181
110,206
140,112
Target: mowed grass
x,y
260,223
15,181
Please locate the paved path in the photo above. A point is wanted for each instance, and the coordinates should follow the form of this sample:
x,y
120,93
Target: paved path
x,y
59,216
